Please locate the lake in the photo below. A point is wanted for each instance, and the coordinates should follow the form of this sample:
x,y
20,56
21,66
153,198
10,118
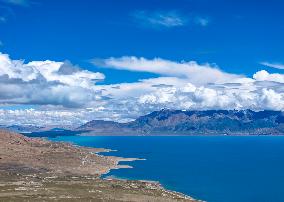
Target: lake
x,y
215,169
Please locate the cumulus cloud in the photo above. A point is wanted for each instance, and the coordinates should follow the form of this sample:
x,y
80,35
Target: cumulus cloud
x,y
130,100
159,19
205,97
175,93
194,72
66,94
46,82
265,76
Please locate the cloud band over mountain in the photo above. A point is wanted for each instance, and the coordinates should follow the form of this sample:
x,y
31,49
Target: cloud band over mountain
x,y
60,89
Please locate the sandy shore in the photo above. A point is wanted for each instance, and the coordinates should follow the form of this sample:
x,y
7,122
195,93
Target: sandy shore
x,y
39,170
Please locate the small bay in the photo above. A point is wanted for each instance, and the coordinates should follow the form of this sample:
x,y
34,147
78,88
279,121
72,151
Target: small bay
x,y
214,169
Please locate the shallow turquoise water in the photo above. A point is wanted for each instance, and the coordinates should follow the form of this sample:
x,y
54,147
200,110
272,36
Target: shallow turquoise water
x,y
215,169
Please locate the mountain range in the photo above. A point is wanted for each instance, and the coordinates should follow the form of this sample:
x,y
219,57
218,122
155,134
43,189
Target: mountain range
x,y
173,122
180,122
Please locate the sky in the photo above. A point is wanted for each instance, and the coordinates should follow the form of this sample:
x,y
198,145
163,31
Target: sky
x,y
68,62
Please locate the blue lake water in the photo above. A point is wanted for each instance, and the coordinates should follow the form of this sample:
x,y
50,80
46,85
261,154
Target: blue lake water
x,y
215,169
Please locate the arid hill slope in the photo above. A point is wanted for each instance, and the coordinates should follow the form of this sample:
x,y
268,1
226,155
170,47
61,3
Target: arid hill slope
x,y
39,170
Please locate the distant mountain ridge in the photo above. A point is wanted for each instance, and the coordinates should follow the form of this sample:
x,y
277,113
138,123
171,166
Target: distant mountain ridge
x,y
34,128
23,128
178,122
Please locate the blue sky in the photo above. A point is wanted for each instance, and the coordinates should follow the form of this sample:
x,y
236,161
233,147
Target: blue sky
x,y
241,39
238,35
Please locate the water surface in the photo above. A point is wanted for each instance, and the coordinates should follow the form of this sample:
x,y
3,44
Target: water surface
x,y
216,169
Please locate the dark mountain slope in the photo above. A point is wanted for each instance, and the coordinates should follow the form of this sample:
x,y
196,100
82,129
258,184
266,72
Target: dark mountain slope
x,y
211,122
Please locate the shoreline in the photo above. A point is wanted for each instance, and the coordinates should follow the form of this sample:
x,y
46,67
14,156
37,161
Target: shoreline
x,y
203,135
98,152
157,183
33,169
119,166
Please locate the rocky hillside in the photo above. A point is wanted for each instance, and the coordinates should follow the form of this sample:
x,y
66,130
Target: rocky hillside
x,y
19,150
34,170
211,122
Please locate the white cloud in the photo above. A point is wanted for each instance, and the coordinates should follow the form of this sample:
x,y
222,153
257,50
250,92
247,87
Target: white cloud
x,y
48,70
46,82
194,72
159,19
167,19
272,99
176,93
212,97
273,65
265,76
66,94
49,117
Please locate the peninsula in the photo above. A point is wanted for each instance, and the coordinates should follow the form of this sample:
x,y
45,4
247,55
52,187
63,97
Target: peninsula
x,y
33,169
